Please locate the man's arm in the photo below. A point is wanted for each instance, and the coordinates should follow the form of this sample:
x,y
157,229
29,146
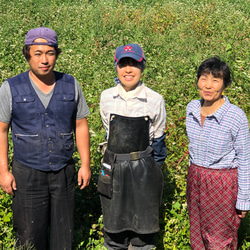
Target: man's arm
x,y
83,146
7,180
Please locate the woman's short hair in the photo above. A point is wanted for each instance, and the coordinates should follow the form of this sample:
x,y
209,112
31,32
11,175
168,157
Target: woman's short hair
x,y
217,68
26,51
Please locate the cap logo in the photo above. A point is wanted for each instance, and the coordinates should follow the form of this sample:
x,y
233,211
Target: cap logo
x,y
128,49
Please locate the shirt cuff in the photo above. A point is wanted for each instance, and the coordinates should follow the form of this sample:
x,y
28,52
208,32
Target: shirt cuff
x,y
243,205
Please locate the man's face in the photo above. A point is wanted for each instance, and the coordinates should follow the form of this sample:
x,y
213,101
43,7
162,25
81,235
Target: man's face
x,y
129,73
42,59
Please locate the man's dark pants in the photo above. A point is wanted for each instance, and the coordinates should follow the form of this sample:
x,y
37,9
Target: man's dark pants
x,y
44,202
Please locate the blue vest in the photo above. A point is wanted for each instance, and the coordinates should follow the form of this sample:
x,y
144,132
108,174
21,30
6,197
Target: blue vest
x,y
43,138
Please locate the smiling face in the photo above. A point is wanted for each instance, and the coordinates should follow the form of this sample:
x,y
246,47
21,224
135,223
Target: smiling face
x,y
210,88
42,59
129,73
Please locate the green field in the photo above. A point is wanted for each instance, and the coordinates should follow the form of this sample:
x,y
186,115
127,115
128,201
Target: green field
x,y
176,37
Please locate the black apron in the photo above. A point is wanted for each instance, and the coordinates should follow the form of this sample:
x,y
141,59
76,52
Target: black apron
x,y
136,179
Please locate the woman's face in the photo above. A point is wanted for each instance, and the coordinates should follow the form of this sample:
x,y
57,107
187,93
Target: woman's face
x,y
210,87
129,73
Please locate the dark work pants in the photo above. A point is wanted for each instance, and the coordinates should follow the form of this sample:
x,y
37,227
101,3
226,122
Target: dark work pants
x,y
121,241
43,205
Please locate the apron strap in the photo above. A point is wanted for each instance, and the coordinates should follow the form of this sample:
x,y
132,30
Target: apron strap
x,y
133,156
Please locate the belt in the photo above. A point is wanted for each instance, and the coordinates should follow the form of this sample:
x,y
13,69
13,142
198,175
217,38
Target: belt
x,y
133,156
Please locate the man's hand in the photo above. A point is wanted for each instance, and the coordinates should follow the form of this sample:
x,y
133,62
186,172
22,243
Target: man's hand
x,y
8,183
84,175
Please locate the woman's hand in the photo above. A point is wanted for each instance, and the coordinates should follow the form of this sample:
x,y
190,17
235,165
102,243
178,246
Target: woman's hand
x,y
241,213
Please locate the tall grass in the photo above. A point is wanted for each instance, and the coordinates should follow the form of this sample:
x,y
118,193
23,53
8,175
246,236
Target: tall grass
x,y
176,36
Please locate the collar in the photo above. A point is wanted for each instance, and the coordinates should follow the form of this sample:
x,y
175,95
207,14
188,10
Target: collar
x,y
218,114
139,92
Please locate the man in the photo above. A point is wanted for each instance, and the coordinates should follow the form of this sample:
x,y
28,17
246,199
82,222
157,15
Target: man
x,y
44,109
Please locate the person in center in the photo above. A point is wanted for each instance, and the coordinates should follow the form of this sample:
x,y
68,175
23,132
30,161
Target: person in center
x,y
130,180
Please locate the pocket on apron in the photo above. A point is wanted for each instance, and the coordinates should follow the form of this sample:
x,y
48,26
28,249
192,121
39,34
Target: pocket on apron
x,y
105,180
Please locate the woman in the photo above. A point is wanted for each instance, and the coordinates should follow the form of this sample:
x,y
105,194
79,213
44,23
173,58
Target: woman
x,y
218,182
131,181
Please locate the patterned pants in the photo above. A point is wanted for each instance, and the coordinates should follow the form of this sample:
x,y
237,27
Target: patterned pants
x,y
211,199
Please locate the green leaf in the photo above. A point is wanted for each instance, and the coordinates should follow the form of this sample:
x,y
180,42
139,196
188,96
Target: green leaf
x,y
6,219
183,193
176,205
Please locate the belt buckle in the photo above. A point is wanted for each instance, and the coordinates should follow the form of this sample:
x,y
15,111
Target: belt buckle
x,y
134,156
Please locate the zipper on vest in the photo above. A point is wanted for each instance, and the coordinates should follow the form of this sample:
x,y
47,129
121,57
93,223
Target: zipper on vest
x,y
66,134
21,135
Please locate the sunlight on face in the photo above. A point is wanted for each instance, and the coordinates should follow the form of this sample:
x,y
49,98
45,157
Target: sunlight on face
x,y
129,73
210,87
